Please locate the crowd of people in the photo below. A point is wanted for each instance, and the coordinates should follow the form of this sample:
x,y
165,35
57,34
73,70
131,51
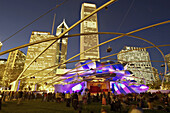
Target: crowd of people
x,y
118,103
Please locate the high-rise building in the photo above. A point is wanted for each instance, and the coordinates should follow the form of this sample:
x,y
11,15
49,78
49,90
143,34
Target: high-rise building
x,y
47,59
61,45
87,26
14,66
2,69
54,55
138,63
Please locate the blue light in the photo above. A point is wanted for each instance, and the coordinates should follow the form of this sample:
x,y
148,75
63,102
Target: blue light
x,y
99,71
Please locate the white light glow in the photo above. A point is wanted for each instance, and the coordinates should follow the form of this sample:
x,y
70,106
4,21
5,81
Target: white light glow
x,y
111,70
122,85
115,87
77,87
143,87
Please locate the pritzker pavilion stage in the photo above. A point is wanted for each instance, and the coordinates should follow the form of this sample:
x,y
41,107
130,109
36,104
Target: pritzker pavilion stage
x,y
97,77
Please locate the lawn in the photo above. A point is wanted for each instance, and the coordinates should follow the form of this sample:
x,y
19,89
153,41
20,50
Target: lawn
x,y
37,106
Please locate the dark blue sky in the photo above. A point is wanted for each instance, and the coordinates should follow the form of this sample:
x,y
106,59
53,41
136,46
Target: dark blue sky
x,y
17,13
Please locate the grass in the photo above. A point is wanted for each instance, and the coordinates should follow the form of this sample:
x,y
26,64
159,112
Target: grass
x,y
37,106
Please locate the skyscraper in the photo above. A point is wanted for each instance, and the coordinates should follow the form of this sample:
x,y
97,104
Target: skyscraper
x,y
54,55
138,63
14,66
47,59
2,69
61,45
89,25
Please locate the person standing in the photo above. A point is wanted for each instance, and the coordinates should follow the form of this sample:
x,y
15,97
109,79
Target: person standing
x,y
104,99
20,93
72,94
57,95
75,101
67,97
108,98
45,97
42,96
85,99
112,102
80,102
88,98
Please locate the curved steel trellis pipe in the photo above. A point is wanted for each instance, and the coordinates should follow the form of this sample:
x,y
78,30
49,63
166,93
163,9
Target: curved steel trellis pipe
x,y
120,37
137,37
89,70
119,34
62,34
118,53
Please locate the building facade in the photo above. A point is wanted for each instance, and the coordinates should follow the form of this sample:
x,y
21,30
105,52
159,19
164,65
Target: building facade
x,y
61,55
47,59
138,63
2,69
54,55
167,57
14,66
87,26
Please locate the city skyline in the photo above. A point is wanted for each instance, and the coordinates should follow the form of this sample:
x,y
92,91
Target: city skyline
x,y
121,16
